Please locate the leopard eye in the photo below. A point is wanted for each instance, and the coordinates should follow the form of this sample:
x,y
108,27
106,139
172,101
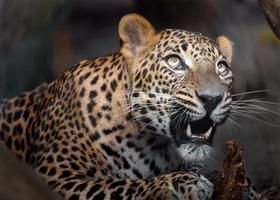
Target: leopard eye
x,y
175,63
223,68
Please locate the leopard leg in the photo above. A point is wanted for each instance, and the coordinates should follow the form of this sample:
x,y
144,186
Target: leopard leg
x,y
250,192
79,185
76,176
183,186
177,186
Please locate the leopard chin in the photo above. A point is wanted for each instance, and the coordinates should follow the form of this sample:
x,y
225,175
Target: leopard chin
x,y
194,152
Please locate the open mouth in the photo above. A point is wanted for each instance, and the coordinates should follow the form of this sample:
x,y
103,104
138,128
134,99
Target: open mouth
x,y
186,131
201,131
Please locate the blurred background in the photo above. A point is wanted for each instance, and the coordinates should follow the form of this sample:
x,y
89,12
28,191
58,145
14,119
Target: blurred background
x,y
40,39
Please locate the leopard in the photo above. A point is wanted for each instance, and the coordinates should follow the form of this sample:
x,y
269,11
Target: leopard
x,y
135,124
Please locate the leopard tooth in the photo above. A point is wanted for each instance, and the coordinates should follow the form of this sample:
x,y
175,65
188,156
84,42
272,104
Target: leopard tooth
x,y
208,133
189,131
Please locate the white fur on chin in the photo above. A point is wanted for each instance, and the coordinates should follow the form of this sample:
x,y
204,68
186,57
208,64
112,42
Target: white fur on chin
x,y
194,152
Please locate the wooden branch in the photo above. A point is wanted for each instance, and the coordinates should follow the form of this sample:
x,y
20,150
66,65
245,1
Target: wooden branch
x,y
271,9
231,184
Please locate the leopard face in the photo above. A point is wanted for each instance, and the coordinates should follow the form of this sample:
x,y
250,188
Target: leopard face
x,y
181,83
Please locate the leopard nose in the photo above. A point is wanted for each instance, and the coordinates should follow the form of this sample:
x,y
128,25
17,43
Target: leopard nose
x,y
209,102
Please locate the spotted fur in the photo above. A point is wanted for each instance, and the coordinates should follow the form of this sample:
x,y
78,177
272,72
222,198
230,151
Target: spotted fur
x,y
114,127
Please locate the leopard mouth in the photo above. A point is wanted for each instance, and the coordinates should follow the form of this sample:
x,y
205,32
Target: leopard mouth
x,y
186,131
201,131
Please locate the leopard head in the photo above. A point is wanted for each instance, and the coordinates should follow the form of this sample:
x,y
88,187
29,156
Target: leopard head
x,y
180,83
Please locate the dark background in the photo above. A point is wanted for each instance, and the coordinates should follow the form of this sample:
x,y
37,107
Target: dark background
x,y
40,39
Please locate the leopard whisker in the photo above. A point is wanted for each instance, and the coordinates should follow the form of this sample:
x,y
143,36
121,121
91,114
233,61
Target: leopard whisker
x,y
142,116
256,100
253,107
144,102
250,92
128,109
165,118
234,122
254,118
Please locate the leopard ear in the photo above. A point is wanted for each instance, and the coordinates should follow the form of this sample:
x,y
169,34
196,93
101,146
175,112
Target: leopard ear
x,y
135,32
225,46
